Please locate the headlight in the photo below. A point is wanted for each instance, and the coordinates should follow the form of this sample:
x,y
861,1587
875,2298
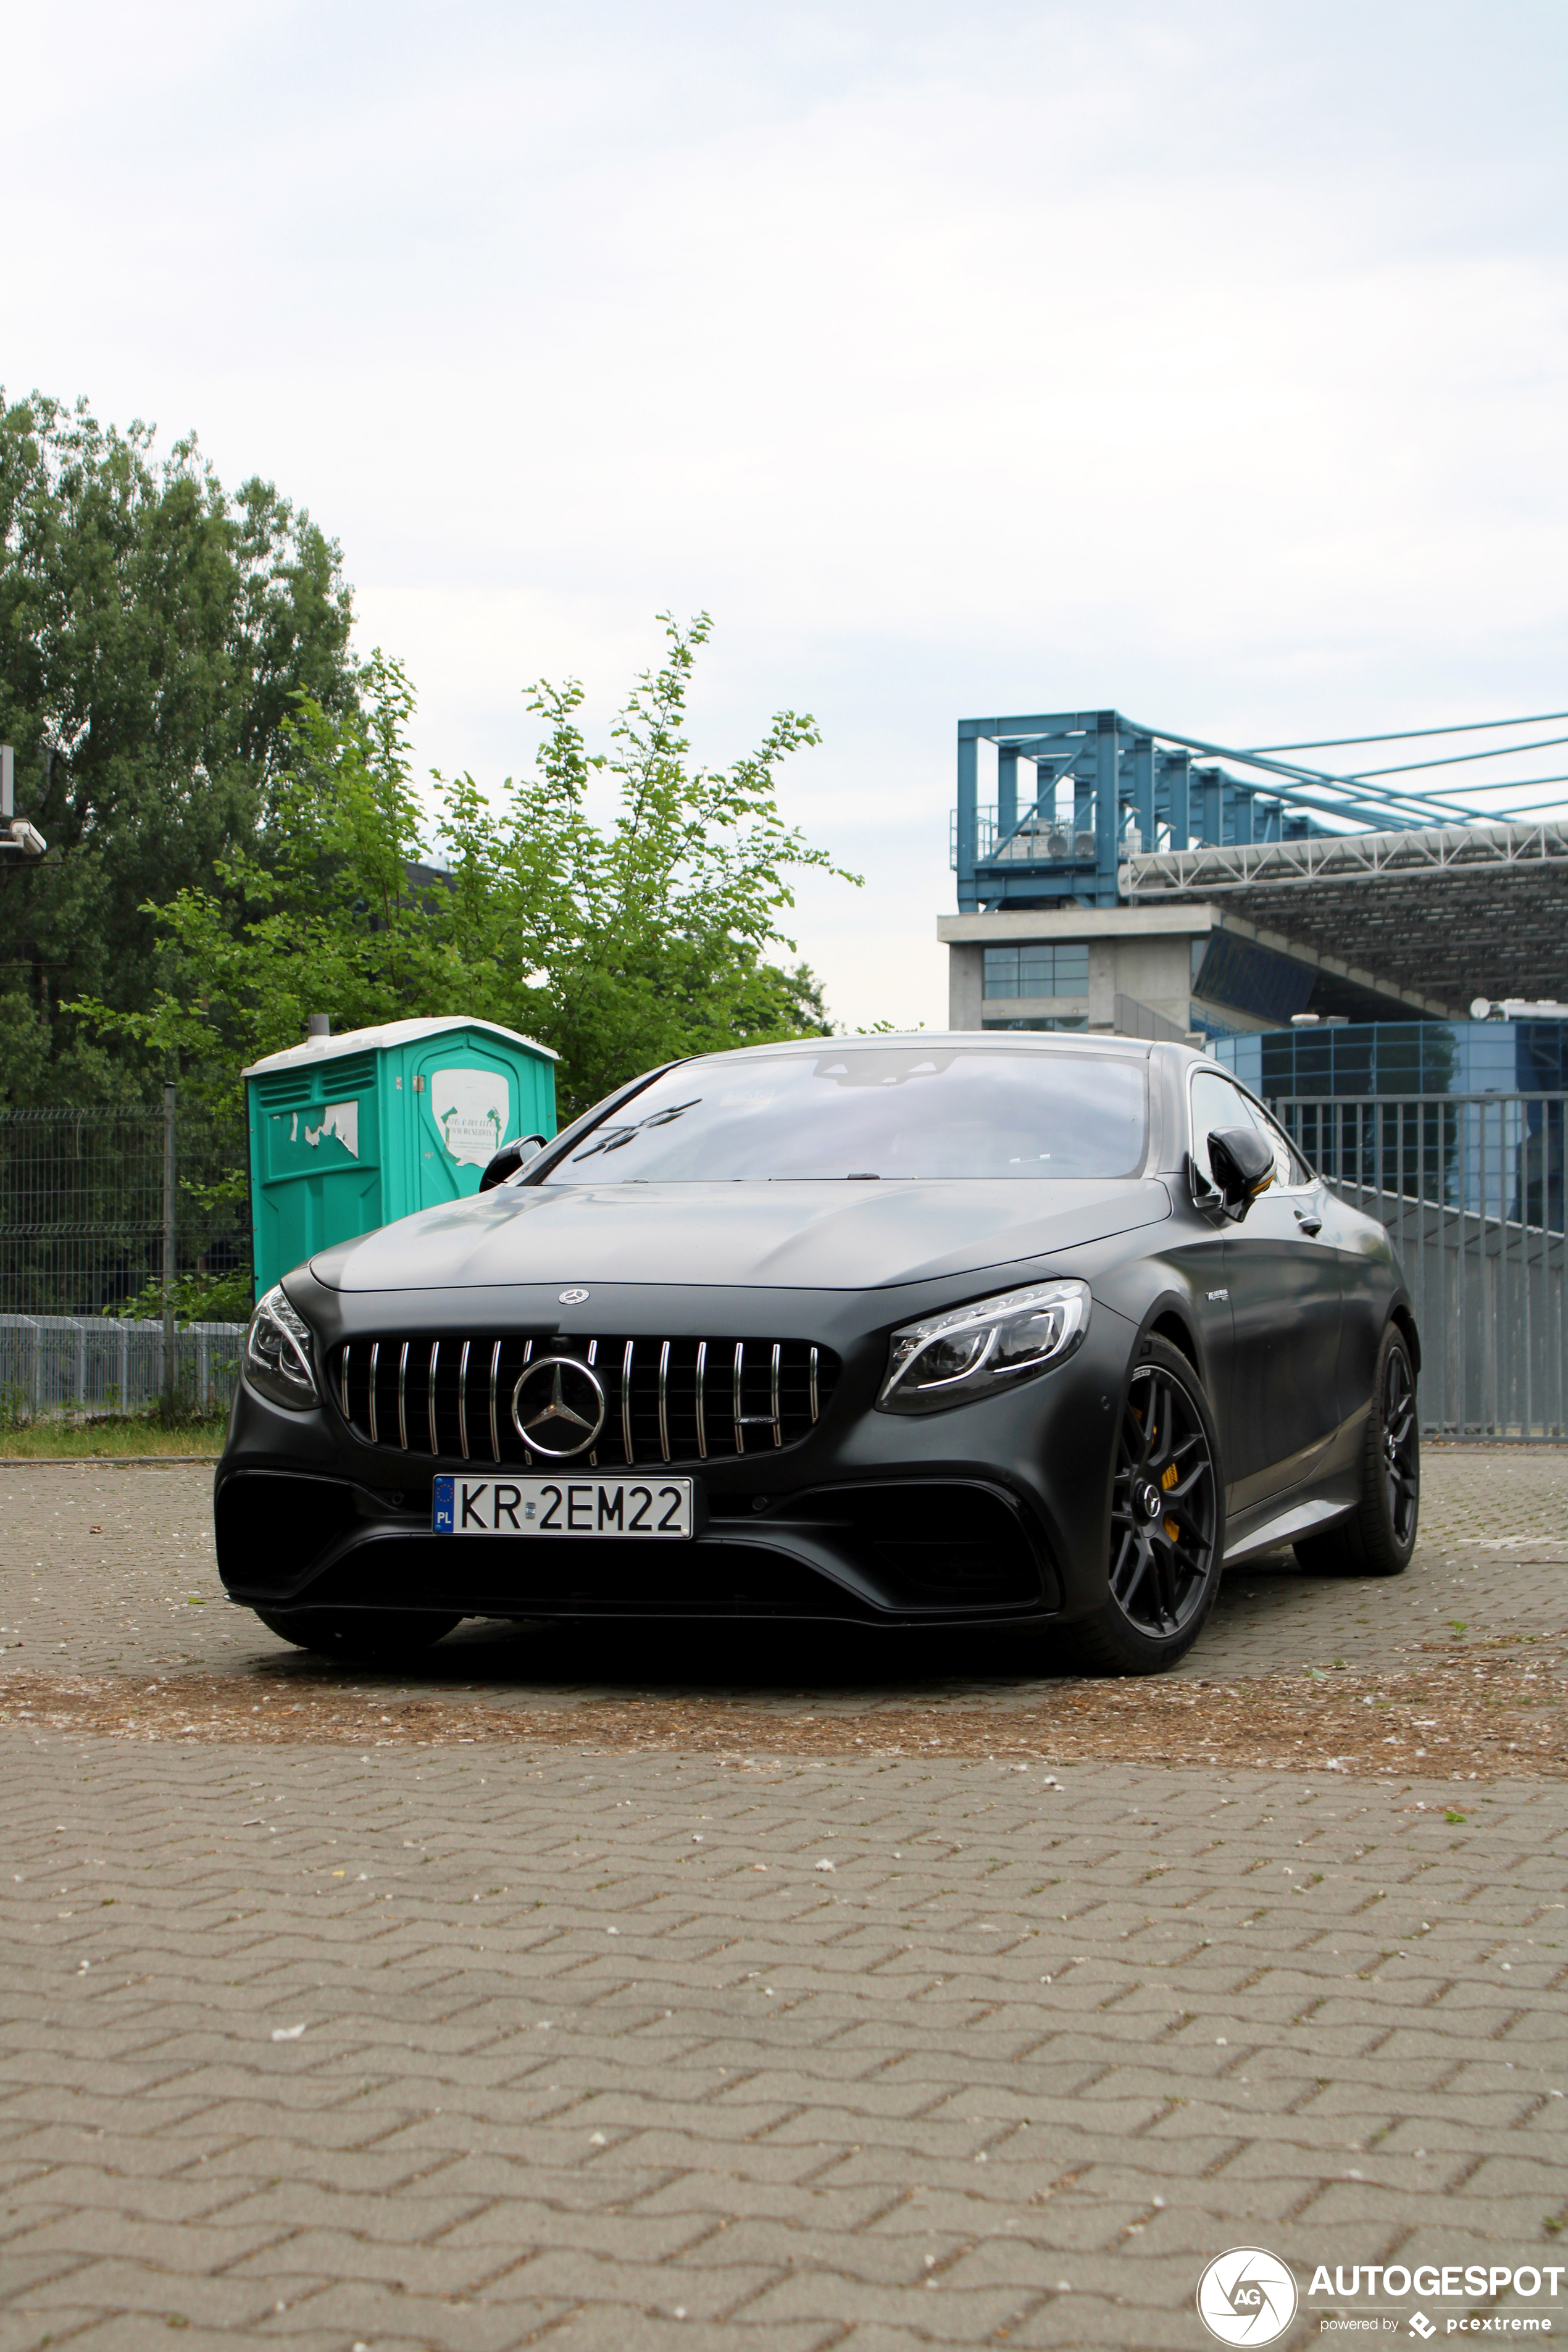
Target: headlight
x,y
278,1355
973,1351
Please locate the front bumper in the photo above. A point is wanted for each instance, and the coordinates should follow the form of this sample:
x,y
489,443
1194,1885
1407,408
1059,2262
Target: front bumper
x,y
992,1511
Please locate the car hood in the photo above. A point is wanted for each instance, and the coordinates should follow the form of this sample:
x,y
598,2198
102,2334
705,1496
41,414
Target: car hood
x,y
833,1236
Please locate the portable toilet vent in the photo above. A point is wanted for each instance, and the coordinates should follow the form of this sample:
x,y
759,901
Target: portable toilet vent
x,y
348,1133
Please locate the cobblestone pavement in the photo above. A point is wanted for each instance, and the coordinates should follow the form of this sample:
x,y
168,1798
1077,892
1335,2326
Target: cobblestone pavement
x,y
647,2051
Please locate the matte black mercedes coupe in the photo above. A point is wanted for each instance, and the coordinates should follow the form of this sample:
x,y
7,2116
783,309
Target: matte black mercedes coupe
x,y
1000,1329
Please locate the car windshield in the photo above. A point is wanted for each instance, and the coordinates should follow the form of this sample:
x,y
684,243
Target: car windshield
x,y
873,1111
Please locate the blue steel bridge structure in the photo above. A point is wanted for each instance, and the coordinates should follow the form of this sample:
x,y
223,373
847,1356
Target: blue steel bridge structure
x,y
1100,788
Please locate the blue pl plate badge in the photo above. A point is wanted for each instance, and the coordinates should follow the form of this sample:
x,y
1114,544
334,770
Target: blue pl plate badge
x,y
441,1507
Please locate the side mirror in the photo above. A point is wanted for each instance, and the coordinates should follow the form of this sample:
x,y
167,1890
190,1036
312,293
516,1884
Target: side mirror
x,y
510,1158
1243,1164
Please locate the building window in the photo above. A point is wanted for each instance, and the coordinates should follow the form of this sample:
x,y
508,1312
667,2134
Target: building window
x,y
1039,968
1047,1021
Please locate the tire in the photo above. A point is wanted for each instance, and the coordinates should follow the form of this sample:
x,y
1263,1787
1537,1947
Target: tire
x,y
1167,1523
1379,1536
359,1634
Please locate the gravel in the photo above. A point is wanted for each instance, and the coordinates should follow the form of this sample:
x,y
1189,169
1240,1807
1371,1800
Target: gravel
x,y
1449,1713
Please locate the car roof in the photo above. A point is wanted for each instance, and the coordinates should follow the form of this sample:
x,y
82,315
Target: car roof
x,y
1096,1044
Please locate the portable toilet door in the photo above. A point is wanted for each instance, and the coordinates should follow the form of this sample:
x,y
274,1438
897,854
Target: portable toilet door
x,y
474,1089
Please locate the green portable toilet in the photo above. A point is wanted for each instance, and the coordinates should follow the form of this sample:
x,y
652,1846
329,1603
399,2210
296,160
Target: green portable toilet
x,y
348,1133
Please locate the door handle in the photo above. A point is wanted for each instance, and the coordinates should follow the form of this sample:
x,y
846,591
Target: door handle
x,y
1310,1226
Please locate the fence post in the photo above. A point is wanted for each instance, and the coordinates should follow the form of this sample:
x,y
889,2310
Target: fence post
x,y
169,1252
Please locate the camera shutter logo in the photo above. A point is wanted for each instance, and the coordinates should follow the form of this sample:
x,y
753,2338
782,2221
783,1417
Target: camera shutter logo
x,y
1247,2296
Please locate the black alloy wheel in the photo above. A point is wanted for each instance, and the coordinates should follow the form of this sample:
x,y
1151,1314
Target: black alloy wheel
x,y
1378,1537
1166,1522
1401,1448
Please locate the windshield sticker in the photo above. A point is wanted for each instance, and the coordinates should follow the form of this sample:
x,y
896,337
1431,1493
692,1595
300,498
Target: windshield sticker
x,y
616,1138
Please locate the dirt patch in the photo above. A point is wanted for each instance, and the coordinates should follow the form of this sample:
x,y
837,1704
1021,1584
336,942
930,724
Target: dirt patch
x,y
1476,1715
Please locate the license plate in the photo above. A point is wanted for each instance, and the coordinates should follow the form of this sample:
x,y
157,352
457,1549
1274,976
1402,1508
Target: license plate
x,y
561,1507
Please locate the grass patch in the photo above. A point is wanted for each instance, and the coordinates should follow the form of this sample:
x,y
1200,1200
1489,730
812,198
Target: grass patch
x,y
66,1437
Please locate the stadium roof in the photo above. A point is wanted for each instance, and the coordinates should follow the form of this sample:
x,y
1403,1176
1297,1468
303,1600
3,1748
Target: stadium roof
x,y
1454,911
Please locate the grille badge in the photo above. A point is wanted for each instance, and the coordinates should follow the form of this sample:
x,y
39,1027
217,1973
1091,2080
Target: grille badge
x,y
573,1297
558,1398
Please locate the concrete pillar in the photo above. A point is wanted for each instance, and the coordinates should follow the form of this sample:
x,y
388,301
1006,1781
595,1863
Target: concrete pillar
x,y
1103,985
965,986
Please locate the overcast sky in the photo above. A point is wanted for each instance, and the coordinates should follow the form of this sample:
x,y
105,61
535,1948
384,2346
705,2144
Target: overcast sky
x,y
1204,360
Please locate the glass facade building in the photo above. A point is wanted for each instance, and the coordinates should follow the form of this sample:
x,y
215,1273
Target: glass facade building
x,y
1468,1115
1403,1057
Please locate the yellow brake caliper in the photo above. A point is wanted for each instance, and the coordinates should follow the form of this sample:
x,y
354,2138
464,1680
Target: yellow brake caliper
x,y
1167,1480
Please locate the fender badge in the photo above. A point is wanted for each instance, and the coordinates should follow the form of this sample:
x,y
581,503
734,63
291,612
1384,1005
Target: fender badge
x,y
573,1297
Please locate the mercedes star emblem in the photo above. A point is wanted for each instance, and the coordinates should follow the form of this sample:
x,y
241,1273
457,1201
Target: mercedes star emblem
x,y
573,1297
558,1406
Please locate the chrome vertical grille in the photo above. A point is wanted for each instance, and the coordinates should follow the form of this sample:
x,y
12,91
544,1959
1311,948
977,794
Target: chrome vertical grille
x,y
666,1400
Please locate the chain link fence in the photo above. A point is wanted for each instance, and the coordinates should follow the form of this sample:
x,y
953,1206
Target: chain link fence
x,y
106,1214
89,1200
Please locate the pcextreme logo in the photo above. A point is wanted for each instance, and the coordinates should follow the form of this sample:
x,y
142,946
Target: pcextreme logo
x,y
1247,2296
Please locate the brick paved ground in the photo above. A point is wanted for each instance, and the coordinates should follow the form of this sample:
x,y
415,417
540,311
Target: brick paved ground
x,y
595,2053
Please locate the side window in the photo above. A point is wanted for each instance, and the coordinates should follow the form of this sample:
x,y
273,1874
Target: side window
x,y
1216,1104
1301,1176
1290,1172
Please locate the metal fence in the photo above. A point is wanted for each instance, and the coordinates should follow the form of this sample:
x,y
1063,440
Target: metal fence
x,y
1470,1190
50,1363
97,1204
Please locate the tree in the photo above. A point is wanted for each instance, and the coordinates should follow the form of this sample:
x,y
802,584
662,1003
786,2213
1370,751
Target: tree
x,y
621,943
631,942
154,635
